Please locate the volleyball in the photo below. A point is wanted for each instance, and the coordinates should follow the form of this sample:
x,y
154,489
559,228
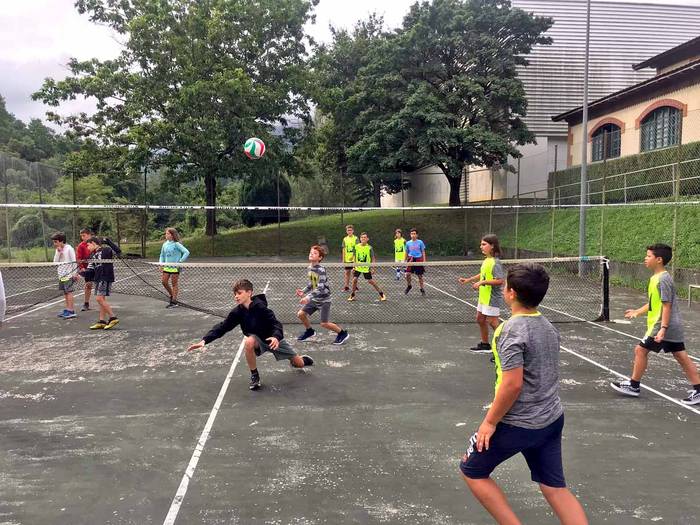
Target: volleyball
x,y
254,148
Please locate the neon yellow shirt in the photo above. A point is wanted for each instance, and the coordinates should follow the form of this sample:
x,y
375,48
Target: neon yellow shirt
x,y
399,249
349,242
363,254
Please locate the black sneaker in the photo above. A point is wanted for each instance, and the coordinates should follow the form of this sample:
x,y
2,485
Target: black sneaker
x,y
306,334
422,292
481,348
171,304
85,307
408,289
626,388
342,336
307,360
692,399
254,382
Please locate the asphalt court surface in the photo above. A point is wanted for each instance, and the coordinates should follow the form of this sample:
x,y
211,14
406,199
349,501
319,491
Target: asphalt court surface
x,y
100,427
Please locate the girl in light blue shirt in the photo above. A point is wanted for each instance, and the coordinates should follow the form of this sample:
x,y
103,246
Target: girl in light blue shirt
x,y
172,251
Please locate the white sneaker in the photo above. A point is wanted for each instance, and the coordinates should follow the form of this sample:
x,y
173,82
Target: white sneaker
x,y
693,398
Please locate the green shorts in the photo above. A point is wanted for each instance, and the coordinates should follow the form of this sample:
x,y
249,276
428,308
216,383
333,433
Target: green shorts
x,y
284,350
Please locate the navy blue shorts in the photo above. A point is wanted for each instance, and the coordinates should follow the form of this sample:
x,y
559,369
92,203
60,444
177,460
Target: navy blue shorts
x,y
541,448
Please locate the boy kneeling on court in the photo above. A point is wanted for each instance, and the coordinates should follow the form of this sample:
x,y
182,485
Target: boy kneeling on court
x,y
525,416
263,332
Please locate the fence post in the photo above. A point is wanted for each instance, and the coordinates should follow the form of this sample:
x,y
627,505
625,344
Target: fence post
x,y
491,203
41,210
75,212
279,217
602,198
144,215
7,210
517,209
676,197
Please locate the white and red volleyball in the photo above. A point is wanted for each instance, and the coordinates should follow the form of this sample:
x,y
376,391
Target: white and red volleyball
x,y
254,148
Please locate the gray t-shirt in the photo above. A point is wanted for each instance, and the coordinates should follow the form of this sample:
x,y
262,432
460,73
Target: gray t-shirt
x,y
667,292
497,291
531,342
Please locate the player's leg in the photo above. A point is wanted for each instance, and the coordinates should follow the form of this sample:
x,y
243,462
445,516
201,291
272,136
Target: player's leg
x,y
492,498
175,279
303,315
690,369
481,319
249,346
641,359
70,301
166,284
565,505
346,286
374,284
355,276
87,294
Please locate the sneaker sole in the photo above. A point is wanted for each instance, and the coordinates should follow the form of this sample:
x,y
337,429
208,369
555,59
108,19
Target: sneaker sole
x,y
306,338
338,343
484,351
254,388
110,326
623,391
690,403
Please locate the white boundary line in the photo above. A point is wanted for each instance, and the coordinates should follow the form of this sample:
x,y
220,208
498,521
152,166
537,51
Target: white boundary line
x,y
189,472
588,360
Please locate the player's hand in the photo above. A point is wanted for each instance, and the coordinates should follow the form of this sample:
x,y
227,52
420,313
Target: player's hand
x,y
631,313
299,292
660,335
305,300
483,435
463,280
273,343
196,346
476,285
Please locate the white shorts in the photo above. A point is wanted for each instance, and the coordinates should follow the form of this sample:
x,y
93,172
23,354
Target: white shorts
x,y
488,311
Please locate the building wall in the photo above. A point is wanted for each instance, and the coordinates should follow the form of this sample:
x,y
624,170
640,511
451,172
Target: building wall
x,y
630,137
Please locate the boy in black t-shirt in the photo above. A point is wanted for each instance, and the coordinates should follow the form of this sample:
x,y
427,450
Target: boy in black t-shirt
x,y
103,279
263,331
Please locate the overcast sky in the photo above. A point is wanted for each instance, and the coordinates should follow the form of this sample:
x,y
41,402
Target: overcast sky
x,y
39,36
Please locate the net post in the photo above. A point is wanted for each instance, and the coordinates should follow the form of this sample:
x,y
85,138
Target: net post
x,y
605,311
517,209
42,218
3,168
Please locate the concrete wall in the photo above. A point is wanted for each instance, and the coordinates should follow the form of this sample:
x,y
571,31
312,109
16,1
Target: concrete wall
x,y
428,186
629,116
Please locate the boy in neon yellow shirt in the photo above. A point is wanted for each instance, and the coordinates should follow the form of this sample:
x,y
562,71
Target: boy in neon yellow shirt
x,y
347,253
664,327
364,256
399,252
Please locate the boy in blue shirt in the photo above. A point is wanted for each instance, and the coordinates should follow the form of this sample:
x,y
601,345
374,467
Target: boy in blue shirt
x,y
415,252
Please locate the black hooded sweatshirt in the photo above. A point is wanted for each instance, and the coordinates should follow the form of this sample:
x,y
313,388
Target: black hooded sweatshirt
x,y
257,319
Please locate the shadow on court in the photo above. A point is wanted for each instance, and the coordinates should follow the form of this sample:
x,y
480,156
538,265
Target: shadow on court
x,y
99,427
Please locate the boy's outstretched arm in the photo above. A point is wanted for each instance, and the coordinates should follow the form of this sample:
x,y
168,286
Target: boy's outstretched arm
x,y
232,321
508,391
632,312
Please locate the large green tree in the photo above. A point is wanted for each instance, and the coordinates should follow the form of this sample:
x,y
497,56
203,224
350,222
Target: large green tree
x,y
194,79
452,70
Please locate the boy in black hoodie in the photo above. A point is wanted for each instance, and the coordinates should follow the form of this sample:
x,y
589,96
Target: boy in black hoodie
x,y
262,330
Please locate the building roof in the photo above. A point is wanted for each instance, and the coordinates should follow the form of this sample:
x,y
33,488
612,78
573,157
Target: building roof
x,y
686,74
684,51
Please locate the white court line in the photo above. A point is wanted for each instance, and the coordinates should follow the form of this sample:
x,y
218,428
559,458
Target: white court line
x,y
61,299
631,336
591,361
189,472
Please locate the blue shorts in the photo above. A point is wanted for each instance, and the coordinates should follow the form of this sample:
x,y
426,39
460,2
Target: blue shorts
x,y
541,448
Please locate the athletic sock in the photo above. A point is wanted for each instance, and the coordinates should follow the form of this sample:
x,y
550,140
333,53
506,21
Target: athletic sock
x,y
697,387
634,383
254,373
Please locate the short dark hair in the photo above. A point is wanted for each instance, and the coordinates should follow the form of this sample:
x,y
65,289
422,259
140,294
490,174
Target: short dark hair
x,y
413,230
530,282
242,284
96,240
493,241
661,250
59,236
364,233
398,230
86,230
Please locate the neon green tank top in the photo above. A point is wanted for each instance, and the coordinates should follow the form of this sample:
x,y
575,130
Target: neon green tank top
x,y
494,349
363,254
486,275
349,243
399,249
655,304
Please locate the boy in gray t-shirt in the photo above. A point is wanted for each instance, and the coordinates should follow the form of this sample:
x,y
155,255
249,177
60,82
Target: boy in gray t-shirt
x,y
664,327
525,416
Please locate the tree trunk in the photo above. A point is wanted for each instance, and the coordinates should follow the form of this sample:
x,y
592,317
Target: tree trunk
x,y
455,183
210,195
377,193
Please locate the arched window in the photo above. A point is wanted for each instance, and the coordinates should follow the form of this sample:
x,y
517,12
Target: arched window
x,y
606,142
661,128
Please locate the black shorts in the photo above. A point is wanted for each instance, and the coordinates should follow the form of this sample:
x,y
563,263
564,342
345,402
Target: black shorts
x,y
368,275
669,347
541,448
88,274
348,268
416,270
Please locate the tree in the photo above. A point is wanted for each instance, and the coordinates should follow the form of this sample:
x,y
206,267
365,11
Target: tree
x,y
453,69
195,78
261,190
346,99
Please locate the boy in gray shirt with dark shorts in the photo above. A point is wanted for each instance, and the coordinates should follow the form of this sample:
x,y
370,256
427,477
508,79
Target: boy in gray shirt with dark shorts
x,y
317,296
526,416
